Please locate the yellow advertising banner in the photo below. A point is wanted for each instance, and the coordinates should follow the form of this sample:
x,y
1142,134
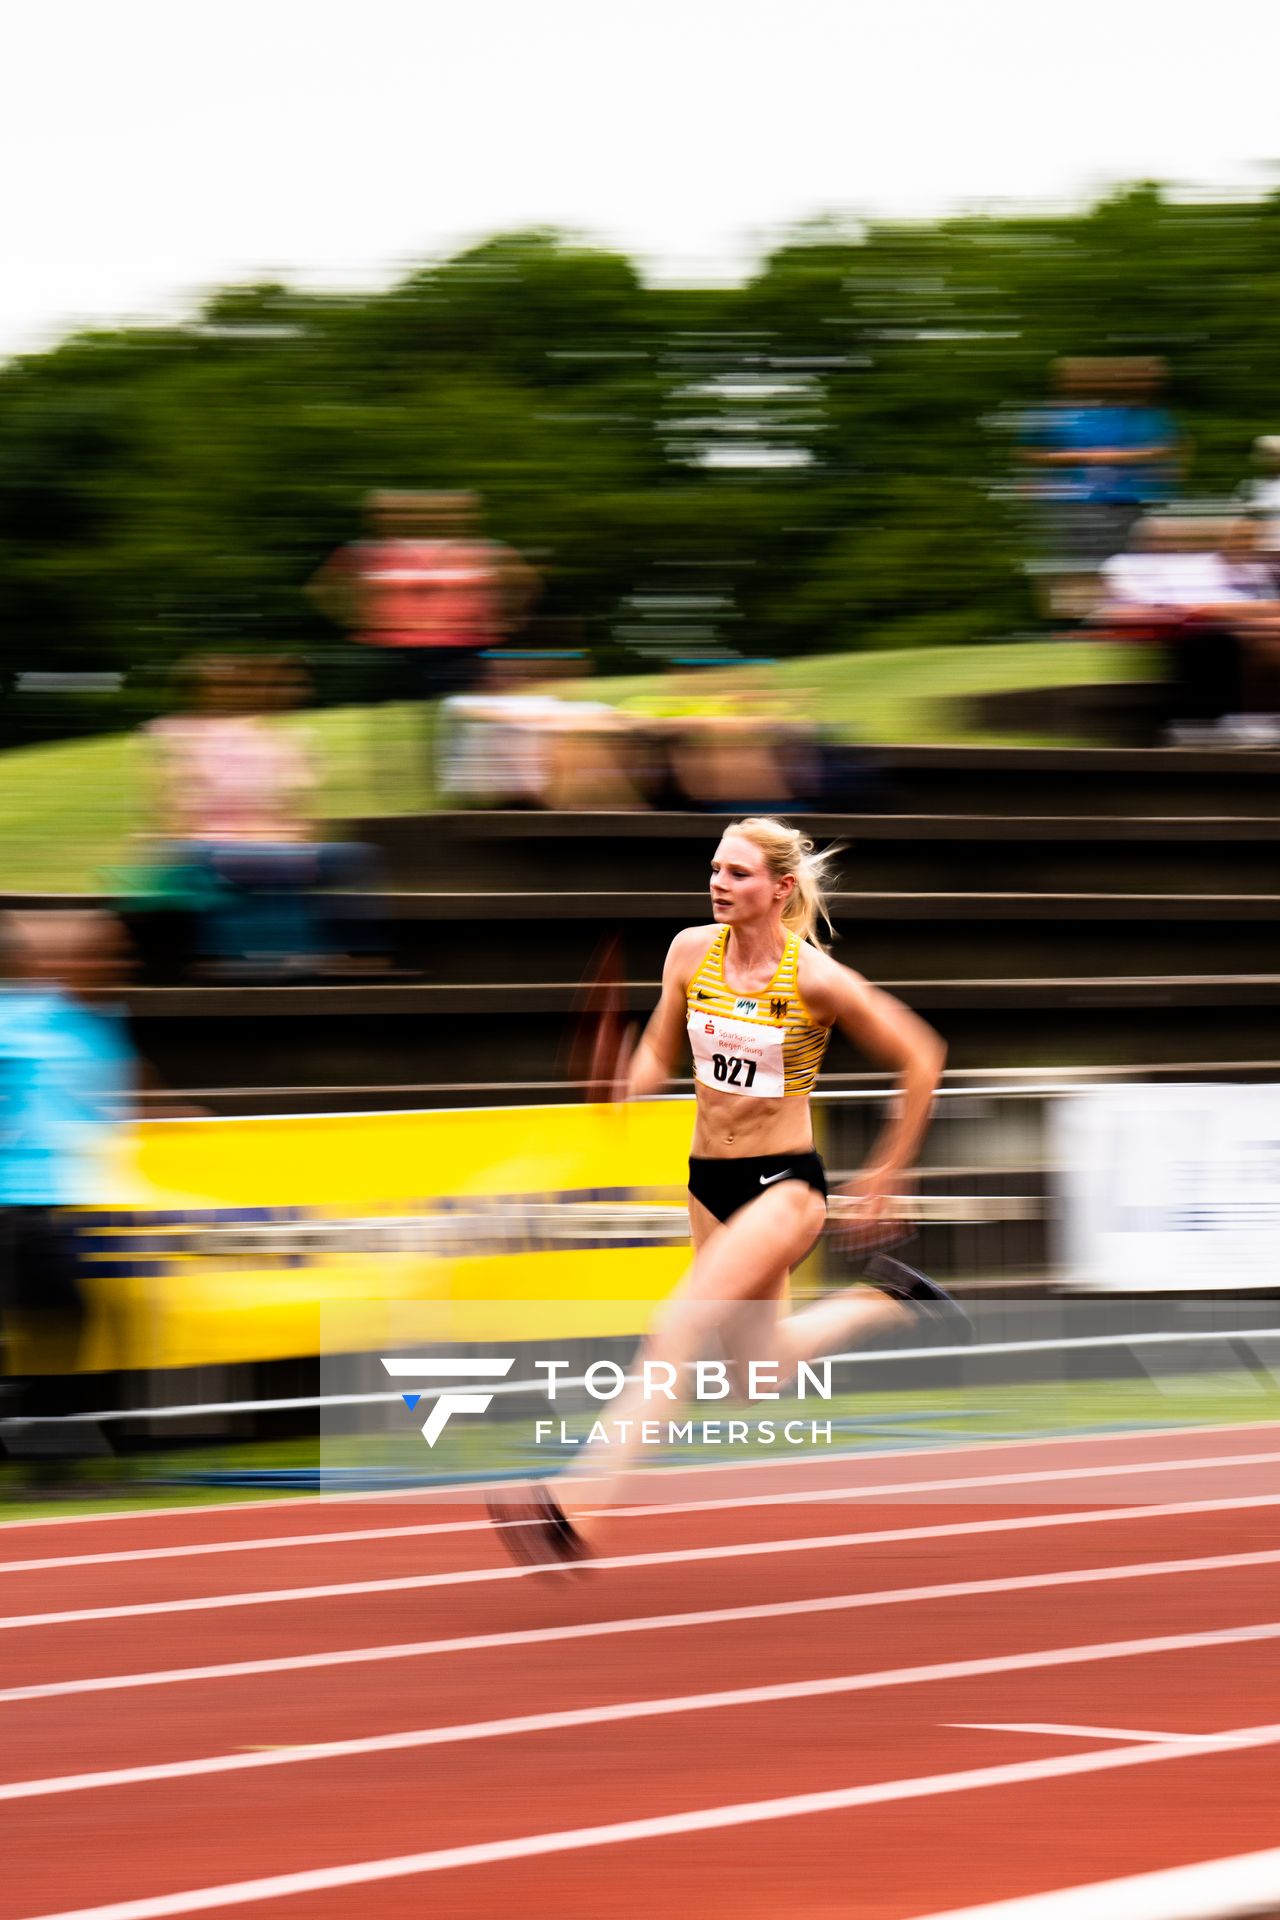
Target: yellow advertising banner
x,y
264,1239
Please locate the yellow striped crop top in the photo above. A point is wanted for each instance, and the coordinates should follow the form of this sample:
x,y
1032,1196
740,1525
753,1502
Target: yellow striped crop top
x,y
764,1045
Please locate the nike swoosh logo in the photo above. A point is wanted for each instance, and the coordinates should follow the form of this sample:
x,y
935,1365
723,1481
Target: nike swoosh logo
x,y
767,1179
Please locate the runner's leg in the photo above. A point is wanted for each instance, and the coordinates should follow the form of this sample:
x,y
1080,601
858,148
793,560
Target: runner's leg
x,y
847,1319
747,1258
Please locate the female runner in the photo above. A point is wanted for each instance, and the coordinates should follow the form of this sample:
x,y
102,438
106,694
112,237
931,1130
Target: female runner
x,y
758,999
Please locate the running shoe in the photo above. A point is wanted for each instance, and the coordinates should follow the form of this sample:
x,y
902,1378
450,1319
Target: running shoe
x,y
937,1310
537,1532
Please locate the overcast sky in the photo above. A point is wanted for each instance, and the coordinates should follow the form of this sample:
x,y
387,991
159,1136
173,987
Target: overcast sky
x,y
151,149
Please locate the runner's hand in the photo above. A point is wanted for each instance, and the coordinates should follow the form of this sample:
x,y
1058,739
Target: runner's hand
x,y
620,1089
870,1210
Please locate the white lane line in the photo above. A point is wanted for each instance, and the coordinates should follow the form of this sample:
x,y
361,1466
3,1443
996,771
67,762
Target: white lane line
x,y
642,1623
1084,1733
261,1544
446,1494
623,1562
1033,1477
515,1726
664,1826
1242,1884
807,1496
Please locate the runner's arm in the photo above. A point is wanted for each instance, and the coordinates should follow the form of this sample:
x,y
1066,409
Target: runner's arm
x,y
654,1059
891,1036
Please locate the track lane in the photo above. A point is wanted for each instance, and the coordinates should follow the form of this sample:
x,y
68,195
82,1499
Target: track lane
x,y
891,1862
34,1654
453,1562
305,1707
371,1554
379,1808
44,1534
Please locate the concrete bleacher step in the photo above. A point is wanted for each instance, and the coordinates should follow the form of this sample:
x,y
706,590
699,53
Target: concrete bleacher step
x,y
1080,780
1018,848
490,936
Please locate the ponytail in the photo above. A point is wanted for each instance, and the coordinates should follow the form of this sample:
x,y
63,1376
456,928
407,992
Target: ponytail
x,y
788,851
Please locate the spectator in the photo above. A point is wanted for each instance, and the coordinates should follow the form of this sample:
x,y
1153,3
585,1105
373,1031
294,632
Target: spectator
x,y
1202,593
734,747
513,743
732,762
1104,453
428,591
1260,497
234,802
67,1083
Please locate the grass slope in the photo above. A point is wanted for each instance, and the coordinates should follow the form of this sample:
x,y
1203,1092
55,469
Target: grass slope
x,y
71,813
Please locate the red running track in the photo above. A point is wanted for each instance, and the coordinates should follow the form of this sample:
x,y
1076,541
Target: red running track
x,y
887,1687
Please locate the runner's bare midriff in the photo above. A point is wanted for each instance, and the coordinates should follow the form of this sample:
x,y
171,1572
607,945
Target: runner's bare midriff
x,y
731,1126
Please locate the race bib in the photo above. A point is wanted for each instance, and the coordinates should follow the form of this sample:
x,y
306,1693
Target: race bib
x,y
737,1055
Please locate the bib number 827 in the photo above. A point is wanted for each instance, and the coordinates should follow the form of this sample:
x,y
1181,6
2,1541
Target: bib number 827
x,y
734,1072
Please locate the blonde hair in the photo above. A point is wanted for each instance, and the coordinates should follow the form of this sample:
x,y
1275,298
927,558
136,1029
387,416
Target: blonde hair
x,y
787,851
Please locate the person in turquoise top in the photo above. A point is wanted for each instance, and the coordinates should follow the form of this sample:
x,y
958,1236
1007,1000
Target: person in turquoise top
x,y
67,1075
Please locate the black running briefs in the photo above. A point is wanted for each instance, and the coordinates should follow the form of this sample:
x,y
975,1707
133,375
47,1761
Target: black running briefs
x,y
725,1186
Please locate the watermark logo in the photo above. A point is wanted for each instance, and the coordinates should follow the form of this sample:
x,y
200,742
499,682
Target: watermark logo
x,y
605,1380
447,1404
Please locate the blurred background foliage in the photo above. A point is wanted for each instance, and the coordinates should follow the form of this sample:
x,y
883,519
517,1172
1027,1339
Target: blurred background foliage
x,y
818,461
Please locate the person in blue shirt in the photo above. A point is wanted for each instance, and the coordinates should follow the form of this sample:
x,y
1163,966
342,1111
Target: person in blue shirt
x,y
67,1077
1104,453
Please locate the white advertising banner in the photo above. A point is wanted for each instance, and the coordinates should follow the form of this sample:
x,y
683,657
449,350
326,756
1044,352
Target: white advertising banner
x,y
1168,1189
